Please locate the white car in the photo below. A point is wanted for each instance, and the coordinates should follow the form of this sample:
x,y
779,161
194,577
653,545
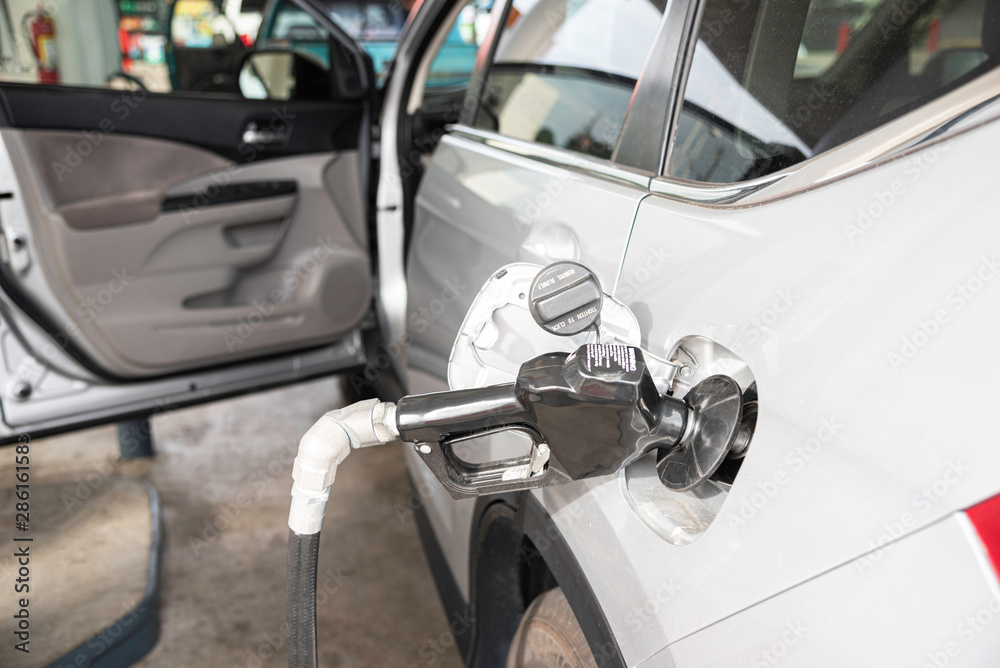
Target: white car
x,y
796,195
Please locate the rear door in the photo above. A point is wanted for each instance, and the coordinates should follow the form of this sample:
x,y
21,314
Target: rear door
x,y
550,160
163,247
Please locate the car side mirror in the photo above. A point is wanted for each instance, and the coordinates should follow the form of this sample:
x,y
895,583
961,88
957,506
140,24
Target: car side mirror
x,y
284,75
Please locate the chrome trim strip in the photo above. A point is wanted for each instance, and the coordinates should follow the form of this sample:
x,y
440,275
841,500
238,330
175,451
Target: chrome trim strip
x,y
714,194
552,155
937,121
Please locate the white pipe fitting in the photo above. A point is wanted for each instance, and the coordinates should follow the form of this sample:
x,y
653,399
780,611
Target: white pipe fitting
x,y
324,447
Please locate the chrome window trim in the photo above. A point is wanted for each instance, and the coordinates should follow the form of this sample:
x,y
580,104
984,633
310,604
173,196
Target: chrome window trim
x,y
646,116
553,155
935,122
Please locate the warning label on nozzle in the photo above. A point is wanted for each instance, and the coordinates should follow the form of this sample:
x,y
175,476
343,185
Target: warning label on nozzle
x,y
610,358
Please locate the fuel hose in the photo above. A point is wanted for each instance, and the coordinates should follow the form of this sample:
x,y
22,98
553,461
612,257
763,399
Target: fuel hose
x,y
303,558
322,449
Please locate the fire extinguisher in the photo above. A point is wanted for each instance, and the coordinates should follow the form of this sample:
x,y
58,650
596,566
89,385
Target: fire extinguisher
x,y
40,29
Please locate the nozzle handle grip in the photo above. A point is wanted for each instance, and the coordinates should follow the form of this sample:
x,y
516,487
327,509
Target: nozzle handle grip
x,y
433,418
437,423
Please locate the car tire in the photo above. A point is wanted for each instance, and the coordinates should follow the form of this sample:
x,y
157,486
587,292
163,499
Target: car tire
x,y
549,636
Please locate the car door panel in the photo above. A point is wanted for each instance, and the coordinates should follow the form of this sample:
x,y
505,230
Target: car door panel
x,y
481,200
175,248
125,177
195,284
482,205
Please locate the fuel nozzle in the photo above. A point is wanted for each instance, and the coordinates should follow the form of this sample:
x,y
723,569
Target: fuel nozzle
x,y
588,413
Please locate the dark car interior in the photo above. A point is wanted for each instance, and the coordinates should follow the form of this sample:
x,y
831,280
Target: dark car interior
x,y
827,72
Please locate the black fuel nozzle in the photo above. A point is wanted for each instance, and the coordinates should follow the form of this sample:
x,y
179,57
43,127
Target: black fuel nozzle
x,y
588,413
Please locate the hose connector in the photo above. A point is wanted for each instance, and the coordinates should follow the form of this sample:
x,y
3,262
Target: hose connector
x,y
324,447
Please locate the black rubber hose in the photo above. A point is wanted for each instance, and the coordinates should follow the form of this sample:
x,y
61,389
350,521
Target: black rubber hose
x,y
303,560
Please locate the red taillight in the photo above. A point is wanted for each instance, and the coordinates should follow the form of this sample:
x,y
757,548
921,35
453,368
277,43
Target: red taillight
x,y
986,519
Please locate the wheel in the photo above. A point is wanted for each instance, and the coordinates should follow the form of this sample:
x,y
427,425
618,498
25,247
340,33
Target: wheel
x,y
549,636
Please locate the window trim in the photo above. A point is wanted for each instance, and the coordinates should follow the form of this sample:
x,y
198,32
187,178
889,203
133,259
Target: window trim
x,y
913,131
633,155
931,124
356,53
553,155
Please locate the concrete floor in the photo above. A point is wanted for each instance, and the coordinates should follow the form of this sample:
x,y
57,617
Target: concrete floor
x,y
223,472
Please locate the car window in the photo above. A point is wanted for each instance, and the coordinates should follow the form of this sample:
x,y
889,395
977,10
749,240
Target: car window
x,y
156,45
454,62
772,84
564,71
374,25
289,27
294,24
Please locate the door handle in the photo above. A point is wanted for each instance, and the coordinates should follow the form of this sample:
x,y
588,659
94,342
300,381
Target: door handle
x,y
263,137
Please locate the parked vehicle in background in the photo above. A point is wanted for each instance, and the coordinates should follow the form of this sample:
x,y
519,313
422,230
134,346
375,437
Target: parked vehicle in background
x,y
376,27
796,194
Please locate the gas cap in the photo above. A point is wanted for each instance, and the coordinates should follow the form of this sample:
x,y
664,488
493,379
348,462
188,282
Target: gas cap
x,y
566,298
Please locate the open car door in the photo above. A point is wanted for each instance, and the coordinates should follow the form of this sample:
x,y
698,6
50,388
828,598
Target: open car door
x,y
165,248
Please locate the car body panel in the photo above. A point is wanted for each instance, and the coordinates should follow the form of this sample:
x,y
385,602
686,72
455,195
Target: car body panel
x,y
847,437
839,282
847,452
491,207
868,613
